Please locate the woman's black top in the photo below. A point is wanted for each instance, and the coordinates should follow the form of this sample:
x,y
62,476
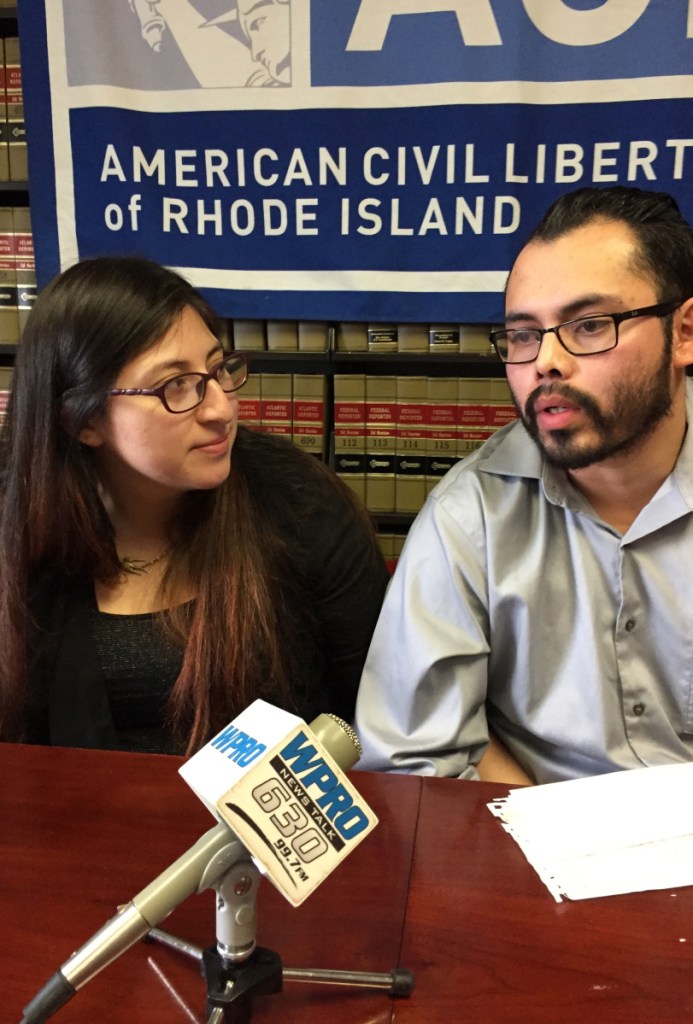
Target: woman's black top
x,y
98,682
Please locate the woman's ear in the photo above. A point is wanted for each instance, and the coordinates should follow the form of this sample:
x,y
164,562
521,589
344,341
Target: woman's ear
x,y
89,434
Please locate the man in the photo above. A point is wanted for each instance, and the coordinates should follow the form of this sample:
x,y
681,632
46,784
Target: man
x,y
544,599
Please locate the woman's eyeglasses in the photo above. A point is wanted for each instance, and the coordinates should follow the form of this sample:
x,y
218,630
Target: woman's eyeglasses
x,y
188,390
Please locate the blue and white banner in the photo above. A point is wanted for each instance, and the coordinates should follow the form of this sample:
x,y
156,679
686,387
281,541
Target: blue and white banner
x,y
343,159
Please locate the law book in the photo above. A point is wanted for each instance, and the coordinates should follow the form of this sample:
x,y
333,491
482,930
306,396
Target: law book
x,y
5,386
474,339
351,337
412,337
350,431
275,404
382,338
474,394
249,335
249,402
381,441
441,434
470,439
4,130
282,335
308,412
313,336
443,338
18,164
501,406
25,264
410,452
9,316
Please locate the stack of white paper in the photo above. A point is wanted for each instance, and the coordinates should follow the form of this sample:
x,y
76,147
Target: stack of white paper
x,y
608,834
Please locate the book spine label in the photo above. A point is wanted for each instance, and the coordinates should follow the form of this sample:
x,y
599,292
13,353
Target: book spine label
x,y
275,404
381,442
309,412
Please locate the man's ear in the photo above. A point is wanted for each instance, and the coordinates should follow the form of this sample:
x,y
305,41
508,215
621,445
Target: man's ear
x,y
683,335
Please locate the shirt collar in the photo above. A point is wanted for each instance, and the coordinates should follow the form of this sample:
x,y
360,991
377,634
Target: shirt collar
x,y
683,470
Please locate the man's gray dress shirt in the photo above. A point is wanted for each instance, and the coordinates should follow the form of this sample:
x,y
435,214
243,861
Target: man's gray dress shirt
x,y
515,608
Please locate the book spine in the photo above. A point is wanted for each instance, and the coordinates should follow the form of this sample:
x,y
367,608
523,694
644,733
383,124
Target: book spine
x,y
282,336
275,404
382,338
501,407
4,128
474,425
308,419
352,337
25,263
249,402
381,441
443,415
474,394
249,335
410,455
350,431
474,338
443,338
15,112
9,316
5,386
412,338
313,336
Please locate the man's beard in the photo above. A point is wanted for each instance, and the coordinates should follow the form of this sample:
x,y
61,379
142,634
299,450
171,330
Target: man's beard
x,y
637,407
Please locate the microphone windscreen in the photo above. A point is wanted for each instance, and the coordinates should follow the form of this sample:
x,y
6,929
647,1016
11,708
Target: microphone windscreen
x,y
339,738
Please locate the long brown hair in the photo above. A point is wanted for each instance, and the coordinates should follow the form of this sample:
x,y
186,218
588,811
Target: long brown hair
x,y
237,634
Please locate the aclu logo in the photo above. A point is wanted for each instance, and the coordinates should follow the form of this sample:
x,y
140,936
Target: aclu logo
x,y
487,40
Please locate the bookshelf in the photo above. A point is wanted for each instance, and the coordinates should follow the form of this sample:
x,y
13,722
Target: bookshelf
x,y
391,445
14,189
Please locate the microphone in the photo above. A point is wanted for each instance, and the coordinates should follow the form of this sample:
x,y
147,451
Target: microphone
x,y
217,850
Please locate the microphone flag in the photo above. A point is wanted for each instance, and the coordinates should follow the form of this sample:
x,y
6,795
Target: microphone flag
x,y
269,777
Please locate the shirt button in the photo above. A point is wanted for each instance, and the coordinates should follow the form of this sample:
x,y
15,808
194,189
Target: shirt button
x,y
638,709
630,624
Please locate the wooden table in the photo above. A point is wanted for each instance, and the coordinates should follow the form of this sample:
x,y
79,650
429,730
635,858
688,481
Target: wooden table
x,y
438,887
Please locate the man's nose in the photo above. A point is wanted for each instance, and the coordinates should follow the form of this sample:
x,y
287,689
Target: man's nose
x,y
553,359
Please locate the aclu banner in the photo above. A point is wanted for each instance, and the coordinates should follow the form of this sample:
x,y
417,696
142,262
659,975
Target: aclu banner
x,y
343,159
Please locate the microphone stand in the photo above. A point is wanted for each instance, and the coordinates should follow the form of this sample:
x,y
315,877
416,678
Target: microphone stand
x,y
235,969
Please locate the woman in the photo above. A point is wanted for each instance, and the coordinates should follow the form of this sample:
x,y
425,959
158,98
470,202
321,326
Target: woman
x,y
160,565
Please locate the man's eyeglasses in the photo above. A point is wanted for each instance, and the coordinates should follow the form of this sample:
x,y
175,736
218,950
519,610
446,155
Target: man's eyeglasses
x,y
585,336
188,390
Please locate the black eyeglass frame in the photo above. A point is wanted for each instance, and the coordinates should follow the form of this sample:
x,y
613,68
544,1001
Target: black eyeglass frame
x,y
659,309
204,378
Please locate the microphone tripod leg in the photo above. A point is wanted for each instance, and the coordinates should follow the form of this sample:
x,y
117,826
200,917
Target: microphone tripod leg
x,y
173,942
398,982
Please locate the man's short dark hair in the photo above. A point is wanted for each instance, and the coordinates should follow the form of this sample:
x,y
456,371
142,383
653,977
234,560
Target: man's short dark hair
x,y
664,236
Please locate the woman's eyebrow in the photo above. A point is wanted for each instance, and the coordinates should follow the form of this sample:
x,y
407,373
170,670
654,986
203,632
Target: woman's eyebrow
x,y
181,365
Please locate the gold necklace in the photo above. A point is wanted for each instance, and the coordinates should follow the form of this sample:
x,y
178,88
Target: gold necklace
x,y
137,566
